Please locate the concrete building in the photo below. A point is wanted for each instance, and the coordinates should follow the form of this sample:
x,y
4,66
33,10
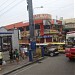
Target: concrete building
x,y
8,39
70,24
46,30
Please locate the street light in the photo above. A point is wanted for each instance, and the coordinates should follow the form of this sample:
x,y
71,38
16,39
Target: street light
x,y
33,15
38,7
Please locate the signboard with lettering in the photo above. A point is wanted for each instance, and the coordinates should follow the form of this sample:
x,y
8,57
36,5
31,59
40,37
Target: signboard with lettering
x,y
54,31
42,16
25,33
45,36
57,22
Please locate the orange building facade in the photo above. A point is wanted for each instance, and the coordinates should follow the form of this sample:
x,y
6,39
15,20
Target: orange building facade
x,y
46,30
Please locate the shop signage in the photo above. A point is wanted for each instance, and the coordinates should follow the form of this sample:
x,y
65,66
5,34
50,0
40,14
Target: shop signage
x,y
57,22
46,31
45,36
42,16
46,22
25,33
54,31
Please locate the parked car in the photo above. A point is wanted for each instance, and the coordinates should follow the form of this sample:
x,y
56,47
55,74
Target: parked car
x,y
51,51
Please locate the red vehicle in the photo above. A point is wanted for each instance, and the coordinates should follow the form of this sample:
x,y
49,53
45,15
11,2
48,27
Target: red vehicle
x,y
70,45
70,52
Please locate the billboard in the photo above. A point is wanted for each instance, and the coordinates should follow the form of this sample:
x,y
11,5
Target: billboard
x,y
57,22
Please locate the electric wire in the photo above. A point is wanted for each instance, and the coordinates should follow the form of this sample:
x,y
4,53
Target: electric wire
x,y
23,0
7,5
11,7
3,3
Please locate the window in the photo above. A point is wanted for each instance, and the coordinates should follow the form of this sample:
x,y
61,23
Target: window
x,y
37,26
5,39
42,40
27,28
57,27
21,29
49,39
46,26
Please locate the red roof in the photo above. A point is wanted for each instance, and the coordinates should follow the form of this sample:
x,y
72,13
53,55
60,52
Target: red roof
x,y
21,24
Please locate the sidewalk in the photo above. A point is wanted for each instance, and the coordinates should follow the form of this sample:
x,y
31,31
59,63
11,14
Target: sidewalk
x,y
10,67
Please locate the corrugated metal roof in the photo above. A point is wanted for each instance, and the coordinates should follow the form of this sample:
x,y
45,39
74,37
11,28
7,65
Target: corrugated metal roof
x,y
21,24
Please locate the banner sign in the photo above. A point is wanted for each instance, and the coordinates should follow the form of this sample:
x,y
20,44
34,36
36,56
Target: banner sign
x,y
57,22
45,36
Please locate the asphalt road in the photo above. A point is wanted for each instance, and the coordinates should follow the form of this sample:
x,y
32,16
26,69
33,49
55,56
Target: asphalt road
x,y
58,65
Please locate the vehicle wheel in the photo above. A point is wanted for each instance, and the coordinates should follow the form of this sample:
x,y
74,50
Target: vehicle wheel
x,y
51,54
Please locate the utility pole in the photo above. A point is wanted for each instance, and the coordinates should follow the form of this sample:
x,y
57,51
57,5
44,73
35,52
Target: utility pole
x,y
31,28
31,21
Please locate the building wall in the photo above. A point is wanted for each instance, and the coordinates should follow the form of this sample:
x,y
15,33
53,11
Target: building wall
x,y
71,20
45,35
15,41
70,24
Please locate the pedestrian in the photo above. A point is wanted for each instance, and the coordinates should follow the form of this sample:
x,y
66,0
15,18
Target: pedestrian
x,y
1,59
17,55
11,56
21,52
25,51
14,55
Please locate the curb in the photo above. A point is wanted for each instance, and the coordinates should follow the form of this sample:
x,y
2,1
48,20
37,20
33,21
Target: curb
x,y
25,65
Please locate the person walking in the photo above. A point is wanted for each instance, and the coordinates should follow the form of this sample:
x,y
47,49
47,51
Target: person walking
x,y
25,51
21,52
11,56
17,55
1,59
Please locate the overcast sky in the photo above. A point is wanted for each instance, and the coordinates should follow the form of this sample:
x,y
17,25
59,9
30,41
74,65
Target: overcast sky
x,y
12,11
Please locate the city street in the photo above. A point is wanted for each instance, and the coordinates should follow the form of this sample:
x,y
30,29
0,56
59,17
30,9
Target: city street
x,y
59,65
37,37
